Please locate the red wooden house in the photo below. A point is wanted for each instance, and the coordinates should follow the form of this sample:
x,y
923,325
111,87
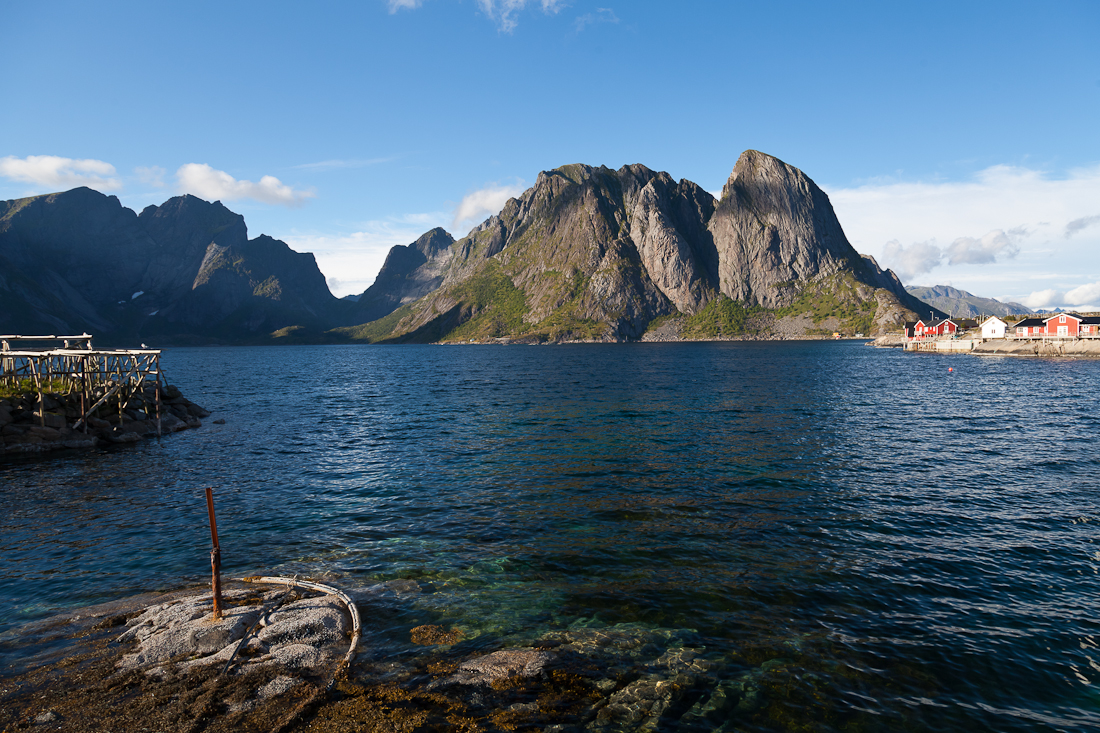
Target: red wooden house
x,y
1060,325
1071,325
1029,327
1065,325
935,327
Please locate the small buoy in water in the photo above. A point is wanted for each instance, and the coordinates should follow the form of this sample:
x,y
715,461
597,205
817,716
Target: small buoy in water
x,y
950,369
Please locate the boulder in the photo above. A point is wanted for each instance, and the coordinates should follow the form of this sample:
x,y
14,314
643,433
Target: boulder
x,y
53,420
501,665
45,433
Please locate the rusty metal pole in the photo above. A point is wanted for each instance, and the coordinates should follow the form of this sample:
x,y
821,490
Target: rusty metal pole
x,y
215,556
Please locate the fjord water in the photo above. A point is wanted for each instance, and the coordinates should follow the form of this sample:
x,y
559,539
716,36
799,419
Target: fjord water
x,y
879,542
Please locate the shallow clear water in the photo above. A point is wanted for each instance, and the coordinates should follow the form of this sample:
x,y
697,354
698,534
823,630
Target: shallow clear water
x,y
878,542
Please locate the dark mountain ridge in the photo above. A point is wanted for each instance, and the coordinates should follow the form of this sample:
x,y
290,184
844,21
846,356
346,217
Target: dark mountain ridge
x,y
185,270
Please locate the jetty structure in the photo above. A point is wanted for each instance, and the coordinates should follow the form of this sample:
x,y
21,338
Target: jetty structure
x,y
61,392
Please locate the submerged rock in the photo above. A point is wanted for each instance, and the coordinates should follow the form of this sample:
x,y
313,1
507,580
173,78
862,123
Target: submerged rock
x,y
501,665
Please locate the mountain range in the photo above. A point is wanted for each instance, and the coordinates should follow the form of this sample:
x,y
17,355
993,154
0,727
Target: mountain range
x,y
961,304
585,254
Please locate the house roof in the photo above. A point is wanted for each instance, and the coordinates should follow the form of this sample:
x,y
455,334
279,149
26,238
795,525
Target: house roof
x,y
1074,316
1029,323
993,318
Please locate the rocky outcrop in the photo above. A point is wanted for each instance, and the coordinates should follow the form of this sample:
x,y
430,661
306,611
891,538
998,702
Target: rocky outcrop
x,y
774,226
28,426
677,251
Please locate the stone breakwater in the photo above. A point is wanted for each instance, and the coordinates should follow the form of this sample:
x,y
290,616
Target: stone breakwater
x,y
26,426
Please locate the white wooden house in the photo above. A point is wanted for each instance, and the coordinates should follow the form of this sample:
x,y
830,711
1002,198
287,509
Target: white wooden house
x,y
994,328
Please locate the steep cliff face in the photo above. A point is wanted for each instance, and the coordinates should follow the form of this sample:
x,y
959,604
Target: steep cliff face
x,y
772,226
667,226
599,254
79,260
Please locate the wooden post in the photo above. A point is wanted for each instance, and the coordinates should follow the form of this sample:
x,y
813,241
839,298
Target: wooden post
x,y
158,396
215,556
84,389
41,397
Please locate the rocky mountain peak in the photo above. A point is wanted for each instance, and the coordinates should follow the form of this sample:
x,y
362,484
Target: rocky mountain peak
x,y
774,225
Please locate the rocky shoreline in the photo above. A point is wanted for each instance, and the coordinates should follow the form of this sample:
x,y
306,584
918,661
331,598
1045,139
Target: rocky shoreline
x,y
27,427
163,663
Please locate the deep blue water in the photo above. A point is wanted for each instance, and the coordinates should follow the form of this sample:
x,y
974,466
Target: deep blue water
x,y
884,543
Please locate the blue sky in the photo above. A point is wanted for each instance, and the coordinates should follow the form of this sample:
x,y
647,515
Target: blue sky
x,y
959,141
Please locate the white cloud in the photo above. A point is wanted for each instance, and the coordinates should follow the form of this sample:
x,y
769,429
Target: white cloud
x,y
481,204
60,173
1083,294
1043,299
1078,224
920,258
396,5
209,183
352,260
602,15
1043,223
916,259
151,175
503,12
984,251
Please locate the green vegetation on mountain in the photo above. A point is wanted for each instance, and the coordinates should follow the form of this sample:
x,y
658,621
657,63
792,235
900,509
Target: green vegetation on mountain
x,y
720,318
836,297
495,304
372,332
